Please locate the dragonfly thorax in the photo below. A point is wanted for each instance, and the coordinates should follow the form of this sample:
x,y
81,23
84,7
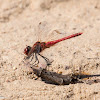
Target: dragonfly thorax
x,y
38,47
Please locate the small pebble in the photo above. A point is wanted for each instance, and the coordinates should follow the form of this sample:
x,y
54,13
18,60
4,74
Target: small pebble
x,y
14,68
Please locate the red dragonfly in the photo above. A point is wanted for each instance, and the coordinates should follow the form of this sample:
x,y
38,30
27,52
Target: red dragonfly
x,y
40,46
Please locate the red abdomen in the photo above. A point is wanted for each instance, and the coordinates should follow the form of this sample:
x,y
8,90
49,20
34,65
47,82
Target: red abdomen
x,y
48,44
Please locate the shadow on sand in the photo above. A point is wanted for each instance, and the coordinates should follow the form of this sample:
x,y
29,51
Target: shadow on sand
x,y
59,79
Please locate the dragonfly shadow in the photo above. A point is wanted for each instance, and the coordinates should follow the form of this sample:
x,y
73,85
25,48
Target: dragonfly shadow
x,y
50,77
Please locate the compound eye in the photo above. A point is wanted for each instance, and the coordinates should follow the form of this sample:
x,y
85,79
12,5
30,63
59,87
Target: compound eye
x,y
27,49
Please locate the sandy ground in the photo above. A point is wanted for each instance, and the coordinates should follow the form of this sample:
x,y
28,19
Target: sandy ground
x,y
19,26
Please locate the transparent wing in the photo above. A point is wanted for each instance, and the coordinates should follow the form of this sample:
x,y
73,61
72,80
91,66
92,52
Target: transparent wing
x,y
43,30
48,32
56,34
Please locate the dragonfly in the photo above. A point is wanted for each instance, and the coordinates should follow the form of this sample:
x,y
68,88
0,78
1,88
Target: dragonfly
x,y
38,47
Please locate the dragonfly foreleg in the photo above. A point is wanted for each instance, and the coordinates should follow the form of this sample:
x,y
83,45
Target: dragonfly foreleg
x,y
26,58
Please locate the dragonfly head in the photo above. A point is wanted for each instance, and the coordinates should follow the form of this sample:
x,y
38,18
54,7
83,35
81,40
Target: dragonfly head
x,y
26,50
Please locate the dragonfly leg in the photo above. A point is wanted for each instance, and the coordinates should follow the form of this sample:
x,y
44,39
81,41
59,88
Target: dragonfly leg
x,y
36,60
26,58
32,57
46,59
